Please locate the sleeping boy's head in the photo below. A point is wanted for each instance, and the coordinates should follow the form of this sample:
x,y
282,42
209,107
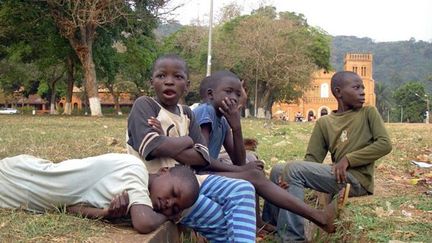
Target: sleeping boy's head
x,y
222,87
170,80
173,190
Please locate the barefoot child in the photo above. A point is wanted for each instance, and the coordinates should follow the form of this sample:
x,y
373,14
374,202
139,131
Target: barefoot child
x,y
87,187
354,135
220,115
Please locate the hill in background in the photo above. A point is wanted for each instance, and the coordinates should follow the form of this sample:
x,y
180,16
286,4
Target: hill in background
x,y
394,62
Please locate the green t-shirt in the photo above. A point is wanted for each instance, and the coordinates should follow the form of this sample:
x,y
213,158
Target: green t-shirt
x,y
359,135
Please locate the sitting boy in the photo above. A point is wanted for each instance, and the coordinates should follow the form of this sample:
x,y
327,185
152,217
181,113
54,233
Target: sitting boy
x,y
354,135
220,114
163,133
87,187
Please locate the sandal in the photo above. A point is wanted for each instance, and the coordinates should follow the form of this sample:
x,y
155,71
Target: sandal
x,y
343,199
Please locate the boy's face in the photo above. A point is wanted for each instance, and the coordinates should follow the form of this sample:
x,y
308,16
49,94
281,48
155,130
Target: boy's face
x,y
352,93
170,195
228,87
170,81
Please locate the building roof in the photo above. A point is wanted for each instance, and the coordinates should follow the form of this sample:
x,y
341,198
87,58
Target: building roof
x,y
33,99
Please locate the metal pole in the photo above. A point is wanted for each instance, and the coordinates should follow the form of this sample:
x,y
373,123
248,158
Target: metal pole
x,y
401,114
210,39
388,115
427,110
256,97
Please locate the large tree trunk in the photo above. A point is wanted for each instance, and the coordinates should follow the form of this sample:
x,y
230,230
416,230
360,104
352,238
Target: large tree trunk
x,y
115,98
91,83
83,47
264,103
70,82
53,94
52,85
52,104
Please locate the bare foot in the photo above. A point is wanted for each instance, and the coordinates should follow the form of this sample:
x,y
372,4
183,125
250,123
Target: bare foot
x,y
332,210
265,228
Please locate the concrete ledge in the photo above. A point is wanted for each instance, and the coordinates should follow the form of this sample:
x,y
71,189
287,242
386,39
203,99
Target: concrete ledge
x,y
168,232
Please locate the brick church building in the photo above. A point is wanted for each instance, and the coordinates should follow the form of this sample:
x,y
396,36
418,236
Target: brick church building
x,y
319,101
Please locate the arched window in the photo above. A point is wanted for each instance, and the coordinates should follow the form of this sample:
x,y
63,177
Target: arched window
x,y
324,90
311,116
355,69
363,71
324,112
75,106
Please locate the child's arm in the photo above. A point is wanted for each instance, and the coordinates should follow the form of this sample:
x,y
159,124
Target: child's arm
x,y
118,208
218,166
187,155
317,151
233,139
149,141
317,147
145,219
380,146
87,212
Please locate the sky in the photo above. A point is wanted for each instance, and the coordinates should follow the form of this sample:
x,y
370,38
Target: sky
x,y
380,20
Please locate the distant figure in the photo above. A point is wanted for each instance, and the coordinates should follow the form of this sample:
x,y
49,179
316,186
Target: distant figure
x,y
298,116
354,135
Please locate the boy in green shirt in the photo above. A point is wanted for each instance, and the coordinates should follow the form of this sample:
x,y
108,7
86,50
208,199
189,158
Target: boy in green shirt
x,y
354,135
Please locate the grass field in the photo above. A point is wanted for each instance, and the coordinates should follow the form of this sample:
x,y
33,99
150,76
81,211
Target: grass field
x,y
399,210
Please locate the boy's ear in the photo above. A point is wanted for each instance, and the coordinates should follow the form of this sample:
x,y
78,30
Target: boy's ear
x,y
163,170
209,93
337,92
187,86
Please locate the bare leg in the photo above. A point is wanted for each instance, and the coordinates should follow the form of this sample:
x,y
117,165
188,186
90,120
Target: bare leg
x,y
281,198
261,225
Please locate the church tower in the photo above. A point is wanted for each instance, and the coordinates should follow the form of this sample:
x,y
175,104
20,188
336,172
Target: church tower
x,y
362,65
318,100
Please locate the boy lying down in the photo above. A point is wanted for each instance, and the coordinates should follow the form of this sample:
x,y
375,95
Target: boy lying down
x,y
104,186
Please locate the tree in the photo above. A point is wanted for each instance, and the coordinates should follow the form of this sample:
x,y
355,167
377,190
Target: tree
x,y
78,21
229,12
123,59
277,53
190,42
30,38
409,97
383,98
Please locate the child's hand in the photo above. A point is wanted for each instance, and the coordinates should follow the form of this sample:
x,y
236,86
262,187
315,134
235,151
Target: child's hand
x,y
119,205
156,125
254,165
230,110
282,183
339,170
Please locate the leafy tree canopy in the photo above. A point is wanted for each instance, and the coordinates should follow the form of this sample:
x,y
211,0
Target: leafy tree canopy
x,y
411,97
278,50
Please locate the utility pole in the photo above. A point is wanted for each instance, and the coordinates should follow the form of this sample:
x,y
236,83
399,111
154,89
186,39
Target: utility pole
x,y
427,109
210,39
388,115
401,113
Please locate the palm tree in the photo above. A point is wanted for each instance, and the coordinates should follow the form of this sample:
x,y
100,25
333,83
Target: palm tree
x,y
383,98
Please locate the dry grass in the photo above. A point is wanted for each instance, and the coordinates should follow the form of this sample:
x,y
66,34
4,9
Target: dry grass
x,y
366,219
